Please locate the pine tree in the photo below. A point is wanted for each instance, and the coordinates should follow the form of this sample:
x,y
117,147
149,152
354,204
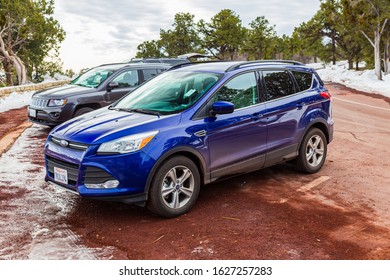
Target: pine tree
x,y
224,35
260,39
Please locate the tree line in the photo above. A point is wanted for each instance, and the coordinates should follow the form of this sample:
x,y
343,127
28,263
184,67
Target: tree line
x,y
353,30
29,40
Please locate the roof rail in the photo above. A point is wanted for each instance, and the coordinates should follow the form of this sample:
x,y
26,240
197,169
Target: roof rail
x,y
245,63
177,66
180,65
106,64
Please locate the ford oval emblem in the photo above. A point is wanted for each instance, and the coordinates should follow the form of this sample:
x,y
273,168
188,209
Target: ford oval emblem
x,y
64,143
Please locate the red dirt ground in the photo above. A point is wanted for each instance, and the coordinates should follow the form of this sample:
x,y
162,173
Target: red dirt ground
x,y
11,119
261,215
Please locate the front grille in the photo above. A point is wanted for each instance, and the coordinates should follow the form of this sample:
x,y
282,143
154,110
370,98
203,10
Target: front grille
x,y
69,144
72,169
94,175
39,103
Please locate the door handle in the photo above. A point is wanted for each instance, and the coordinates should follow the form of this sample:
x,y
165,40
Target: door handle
x,y
299,105
257,116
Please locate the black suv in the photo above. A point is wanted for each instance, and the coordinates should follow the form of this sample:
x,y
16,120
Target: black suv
x,y
94,89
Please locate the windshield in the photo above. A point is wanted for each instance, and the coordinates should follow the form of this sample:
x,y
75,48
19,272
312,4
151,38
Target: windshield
x,y
93,77
169,93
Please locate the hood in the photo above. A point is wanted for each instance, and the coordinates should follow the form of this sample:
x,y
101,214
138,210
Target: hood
x,y
62,92
105,125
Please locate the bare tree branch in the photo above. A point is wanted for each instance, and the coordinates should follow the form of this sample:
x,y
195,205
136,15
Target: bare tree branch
x,y
384,25
368,38
17,43
3,29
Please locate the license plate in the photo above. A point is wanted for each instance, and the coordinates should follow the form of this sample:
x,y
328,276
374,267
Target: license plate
x,y
60,175
32,113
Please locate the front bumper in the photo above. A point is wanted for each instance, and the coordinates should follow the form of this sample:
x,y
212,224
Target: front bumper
x,y
85,166
49,116
137,199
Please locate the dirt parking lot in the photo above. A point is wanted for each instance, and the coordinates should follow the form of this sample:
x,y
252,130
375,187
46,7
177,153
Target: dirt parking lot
x,y
341,212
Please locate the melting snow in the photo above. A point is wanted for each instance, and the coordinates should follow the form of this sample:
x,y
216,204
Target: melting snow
x,y
31,224
15,100
360,80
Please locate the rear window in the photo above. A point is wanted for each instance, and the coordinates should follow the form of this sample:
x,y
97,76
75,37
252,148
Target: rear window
x,y
278,84
150,73
303,79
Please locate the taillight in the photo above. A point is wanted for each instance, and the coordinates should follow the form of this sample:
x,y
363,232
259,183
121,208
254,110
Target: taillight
x,y
326,95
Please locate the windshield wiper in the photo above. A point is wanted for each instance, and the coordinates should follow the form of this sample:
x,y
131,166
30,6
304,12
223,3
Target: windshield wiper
x,y
81,85
136,110
119,109
145,111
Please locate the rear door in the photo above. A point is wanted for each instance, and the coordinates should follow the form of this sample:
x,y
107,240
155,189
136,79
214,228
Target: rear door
x,y
285,107
150,73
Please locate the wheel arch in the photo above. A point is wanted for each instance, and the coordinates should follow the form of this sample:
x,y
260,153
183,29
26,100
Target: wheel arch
x,y
321,125
93,106
188,152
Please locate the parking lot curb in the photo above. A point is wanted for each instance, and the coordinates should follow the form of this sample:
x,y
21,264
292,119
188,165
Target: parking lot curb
x,y
8,140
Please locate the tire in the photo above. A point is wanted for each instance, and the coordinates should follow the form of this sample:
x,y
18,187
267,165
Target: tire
x,y
82,111
312,152
175,187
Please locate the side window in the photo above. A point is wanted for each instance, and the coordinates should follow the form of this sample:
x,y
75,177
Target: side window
x,y
241,91
278,84
303,79
127,79
149,73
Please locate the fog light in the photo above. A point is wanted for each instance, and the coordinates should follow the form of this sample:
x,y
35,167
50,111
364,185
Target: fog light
x,y
112,184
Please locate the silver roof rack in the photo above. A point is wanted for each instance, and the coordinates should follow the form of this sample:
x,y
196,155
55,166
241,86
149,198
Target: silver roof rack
x,y
254,62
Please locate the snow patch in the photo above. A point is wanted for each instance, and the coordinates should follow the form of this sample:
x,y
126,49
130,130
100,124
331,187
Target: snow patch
x,y
56,77
360,80
15,100
31,220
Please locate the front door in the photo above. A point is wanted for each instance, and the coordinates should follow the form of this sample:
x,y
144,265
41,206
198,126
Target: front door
x,y
127,82
237,141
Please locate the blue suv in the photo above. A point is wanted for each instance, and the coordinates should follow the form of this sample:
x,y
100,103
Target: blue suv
x,y
191,126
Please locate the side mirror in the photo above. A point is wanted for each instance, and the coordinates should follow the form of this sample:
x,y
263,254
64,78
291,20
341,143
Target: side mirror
x,y
222,108
112,85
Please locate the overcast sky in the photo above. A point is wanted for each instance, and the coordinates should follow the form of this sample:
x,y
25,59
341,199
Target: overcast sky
x,y
107,31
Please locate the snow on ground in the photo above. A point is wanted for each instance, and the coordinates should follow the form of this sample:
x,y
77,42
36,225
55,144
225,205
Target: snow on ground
x,y
18,100
56,77
15,100
360,80
31,224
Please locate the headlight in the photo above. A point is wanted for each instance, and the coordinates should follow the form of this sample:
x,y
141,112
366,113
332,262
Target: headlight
x,y
127,144
57,102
